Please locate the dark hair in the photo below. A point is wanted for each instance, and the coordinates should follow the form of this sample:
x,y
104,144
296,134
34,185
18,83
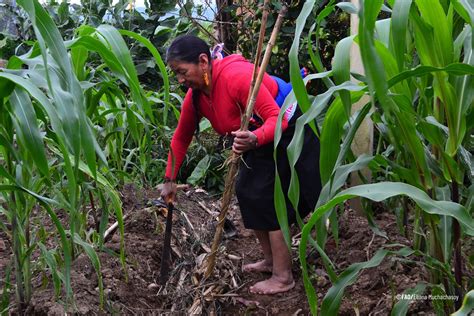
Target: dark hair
x,y
188,48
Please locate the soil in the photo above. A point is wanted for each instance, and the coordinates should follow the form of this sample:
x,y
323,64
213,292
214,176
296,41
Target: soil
x,y
227,291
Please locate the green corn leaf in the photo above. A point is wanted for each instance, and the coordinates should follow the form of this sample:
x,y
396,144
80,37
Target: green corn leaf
x,y
291,98
339,178
423,40
341,70
432,132
383,190
296,144
369,214
295,76
433,14
53,268
331,130
346,144
66,91
120,49
92,254
79,57
4,173
374,68
326,11
401,307
382,29
48,34
6,87
377,192
446,234
466,159
405,128
467,305
321,227
451,169
391,69
27,129
465,84
461,10
161,66
280,207
315,57
43,101
65,245
17,187
115,204
120,68
398,41
332,300
464,91
347,7
110,59
469,7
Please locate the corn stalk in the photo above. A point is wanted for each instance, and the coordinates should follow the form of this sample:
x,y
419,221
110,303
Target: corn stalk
x,y
422,98
57,113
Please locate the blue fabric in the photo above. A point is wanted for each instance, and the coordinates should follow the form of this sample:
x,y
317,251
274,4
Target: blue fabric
x,y
284,89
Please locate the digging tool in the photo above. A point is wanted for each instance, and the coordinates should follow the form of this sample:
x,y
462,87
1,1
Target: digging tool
x,y
233,169
166,252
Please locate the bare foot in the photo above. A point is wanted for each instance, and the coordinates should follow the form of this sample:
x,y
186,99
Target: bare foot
x,y
259,266
271,286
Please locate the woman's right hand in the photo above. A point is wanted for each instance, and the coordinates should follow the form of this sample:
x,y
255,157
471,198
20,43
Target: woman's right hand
x,y
168,193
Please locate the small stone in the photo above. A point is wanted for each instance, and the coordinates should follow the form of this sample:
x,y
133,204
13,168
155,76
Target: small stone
x,y
153,286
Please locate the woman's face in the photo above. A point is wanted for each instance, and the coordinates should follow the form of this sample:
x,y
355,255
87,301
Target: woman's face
x,y
189,74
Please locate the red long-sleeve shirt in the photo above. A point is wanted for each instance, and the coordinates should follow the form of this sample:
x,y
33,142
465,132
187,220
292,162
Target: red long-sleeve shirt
x,y
231,78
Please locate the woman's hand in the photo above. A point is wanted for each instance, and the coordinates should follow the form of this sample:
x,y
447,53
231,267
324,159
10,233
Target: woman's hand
x,y
243,141
168,193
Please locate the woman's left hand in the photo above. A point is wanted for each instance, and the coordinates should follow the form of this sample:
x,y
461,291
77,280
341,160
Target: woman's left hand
x,y
243,141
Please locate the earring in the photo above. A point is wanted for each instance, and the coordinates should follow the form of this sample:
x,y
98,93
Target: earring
x,y
206,79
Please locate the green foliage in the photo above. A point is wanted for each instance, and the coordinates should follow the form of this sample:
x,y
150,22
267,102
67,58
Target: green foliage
x,y
75,122
244,37
421,98
467,305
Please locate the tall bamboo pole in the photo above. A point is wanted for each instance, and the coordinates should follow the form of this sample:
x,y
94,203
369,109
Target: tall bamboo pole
x,y
234,162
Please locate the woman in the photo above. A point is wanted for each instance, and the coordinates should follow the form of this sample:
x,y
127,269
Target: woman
x,y
218,90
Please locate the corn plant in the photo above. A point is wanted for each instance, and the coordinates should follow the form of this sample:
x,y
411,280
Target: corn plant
x,y
60,106
418,73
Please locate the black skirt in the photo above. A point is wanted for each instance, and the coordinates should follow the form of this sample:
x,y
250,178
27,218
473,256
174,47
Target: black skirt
x,y
256,180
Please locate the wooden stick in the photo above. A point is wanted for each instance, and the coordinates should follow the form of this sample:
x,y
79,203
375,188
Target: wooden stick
x,y
178,187
258,53
234,166
111,230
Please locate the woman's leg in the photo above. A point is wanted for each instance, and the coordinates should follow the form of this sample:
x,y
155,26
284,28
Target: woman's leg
x,y
266,264
282,276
